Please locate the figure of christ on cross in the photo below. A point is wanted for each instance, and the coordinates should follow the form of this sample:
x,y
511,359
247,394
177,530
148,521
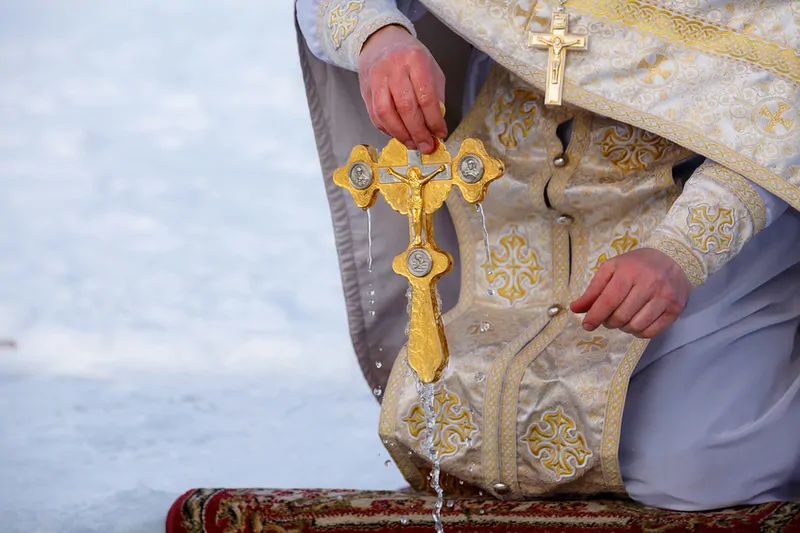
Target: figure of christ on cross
x,y
557,45
416,181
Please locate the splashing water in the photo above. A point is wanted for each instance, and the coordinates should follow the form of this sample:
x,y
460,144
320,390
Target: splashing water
x,y
426,394
369,239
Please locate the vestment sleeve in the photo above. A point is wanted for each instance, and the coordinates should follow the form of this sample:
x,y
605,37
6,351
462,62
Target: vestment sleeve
x,y
335,30
717,213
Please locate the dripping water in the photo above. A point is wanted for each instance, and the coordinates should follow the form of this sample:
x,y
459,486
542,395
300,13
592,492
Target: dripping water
x,y
369,239
479,209
408,309
429,450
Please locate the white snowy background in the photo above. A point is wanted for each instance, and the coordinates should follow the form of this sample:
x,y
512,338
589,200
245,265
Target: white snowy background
x,y
167,267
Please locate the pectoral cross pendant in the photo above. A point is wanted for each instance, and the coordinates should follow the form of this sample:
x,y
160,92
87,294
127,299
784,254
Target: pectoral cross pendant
x,y
559,42
417,185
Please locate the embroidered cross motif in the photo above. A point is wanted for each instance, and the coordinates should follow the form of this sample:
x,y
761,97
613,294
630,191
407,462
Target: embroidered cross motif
x,y
558,444
343,21
777,117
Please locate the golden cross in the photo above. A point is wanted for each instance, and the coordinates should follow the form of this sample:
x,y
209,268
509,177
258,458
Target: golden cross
x,y
558,41
777,117
416,185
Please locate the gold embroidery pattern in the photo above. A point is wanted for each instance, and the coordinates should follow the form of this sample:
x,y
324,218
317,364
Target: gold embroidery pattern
x,y
515,265
558,444
388,420
620,245
596,343
711,232
776,118
523,12
743,190
632,149
514,117
696,33
343,20
655,69
453,428
695,270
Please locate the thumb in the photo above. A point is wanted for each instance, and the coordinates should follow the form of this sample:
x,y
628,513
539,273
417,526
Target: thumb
x,y
593,291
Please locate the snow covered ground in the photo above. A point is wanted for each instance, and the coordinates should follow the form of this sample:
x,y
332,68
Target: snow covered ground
x,y
167,267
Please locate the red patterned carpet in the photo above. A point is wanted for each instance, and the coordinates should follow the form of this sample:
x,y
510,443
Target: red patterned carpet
x,y
342,511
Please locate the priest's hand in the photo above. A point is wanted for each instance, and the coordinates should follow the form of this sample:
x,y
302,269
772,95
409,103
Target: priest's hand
x,y
641,292
402,85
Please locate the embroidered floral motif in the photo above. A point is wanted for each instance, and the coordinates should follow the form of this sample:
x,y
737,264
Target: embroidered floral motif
x,y
343,20
454,423
557,443
514,117
620,245
630,148
514,264
711,231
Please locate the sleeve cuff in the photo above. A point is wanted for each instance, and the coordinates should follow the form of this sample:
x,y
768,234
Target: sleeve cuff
x,y
344,25
718,212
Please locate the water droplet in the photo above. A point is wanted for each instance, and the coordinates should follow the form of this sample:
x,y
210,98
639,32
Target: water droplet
x,y
410,452
378,364
471,467
450,504
468,442
387,462
403,520
380,349
479,377
371,312
386,441
482,511
490,292
377,391
490,272
372,302
484,327
480,493
370,293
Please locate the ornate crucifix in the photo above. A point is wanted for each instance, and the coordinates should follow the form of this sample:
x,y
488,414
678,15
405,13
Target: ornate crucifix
x,y
559,42
417,185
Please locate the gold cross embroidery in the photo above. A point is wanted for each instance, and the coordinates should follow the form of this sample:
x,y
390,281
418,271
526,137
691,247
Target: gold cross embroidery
x,y
416,185
777,117
558,41
654,69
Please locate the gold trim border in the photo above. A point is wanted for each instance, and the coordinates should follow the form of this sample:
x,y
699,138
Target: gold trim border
x,y
615,404
680,28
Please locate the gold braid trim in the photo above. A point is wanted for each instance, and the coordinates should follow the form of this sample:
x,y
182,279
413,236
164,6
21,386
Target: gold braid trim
x,y
696,33
743,190
694,269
